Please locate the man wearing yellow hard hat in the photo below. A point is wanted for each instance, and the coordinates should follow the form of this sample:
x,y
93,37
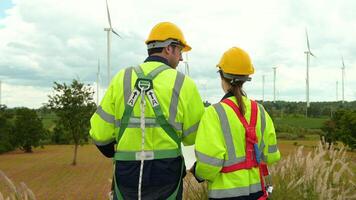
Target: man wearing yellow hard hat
x,y
145,115
236,137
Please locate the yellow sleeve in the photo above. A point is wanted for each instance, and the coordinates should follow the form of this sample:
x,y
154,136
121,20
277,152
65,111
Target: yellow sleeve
x,y
103,120
271,149
210,148
193,109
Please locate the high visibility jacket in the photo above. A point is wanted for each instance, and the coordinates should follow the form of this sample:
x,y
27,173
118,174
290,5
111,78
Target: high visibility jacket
x,y
221,143
179,100
182,107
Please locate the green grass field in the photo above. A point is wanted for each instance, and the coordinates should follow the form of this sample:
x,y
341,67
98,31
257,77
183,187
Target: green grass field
x,y
48,173
301,122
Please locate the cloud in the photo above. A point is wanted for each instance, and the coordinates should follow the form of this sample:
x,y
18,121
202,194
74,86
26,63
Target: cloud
x,y
45,41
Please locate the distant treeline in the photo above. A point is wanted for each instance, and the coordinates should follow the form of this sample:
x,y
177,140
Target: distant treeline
x,y
316,109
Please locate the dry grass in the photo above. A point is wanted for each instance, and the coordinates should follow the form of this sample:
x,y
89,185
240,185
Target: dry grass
x,y
21,192
51,177
318,174
194,190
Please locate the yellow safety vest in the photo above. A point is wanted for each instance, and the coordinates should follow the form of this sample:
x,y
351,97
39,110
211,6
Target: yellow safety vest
x,y
221,142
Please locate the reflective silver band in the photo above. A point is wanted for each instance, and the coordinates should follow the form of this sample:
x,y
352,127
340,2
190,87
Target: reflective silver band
x,y
158,70
127,84
150,122
226,131
235,192
190,130
104,142
201,157
105,116
173,107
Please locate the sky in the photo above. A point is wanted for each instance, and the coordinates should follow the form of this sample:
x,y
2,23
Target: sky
x,y
42,41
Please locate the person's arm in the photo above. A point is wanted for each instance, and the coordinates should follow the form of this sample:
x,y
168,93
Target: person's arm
x,y
270,151
103,124
210,147
193,109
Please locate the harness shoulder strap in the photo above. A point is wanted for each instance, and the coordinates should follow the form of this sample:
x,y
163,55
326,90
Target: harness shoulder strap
x,y
162,121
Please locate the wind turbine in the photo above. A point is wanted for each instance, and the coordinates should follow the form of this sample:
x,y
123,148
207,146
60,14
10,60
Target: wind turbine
x,y
186,69
274,83
97,83
343,79
308,53
109,31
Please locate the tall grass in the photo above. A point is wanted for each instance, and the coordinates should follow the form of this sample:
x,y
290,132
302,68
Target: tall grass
x,y
320,174
21,192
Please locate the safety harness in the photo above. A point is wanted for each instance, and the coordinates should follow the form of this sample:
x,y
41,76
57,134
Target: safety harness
x,y
144,87
253,154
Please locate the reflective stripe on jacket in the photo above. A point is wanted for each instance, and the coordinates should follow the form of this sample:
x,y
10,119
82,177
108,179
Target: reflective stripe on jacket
x,y
221,142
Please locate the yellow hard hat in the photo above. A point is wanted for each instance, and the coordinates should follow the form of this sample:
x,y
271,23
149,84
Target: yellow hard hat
x,y
164,31
236,61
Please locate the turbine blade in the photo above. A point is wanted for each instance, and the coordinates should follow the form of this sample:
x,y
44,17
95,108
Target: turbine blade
x,y
115,33
312,54
107,9
307,40
343,64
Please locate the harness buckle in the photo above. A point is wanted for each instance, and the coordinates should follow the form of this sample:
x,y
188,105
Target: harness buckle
x,y
143,84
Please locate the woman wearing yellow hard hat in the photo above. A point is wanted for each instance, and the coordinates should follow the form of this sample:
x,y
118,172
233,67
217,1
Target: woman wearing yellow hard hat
x,y
236,137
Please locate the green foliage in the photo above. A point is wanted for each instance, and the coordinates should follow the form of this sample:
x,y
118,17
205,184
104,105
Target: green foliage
x,y
6,128
345,127
329,132
28,129
293,133
316,109
73,105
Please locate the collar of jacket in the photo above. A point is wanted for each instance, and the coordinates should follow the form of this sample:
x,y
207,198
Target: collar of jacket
x,y
227,95
157,59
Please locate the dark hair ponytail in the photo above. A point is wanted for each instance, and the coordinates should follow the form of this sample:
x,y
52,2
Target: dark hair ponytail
x,y
237,91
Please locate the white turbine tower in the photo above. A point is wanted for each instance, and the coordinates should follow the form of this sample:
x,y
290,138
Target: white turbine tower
x,y
109,31
186,68
308,53
337,90
274,83
263,88
343,79
0,91
97,83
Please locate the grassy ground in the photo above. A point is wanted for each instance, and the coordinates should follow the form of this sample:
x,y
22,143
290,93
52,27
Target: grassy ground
x,y
301,122
48,173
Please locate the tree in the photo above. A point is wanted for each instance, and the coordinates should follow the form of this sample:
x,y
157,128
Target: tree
x,y
329,132
28,129
73,105
6,128
346,127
